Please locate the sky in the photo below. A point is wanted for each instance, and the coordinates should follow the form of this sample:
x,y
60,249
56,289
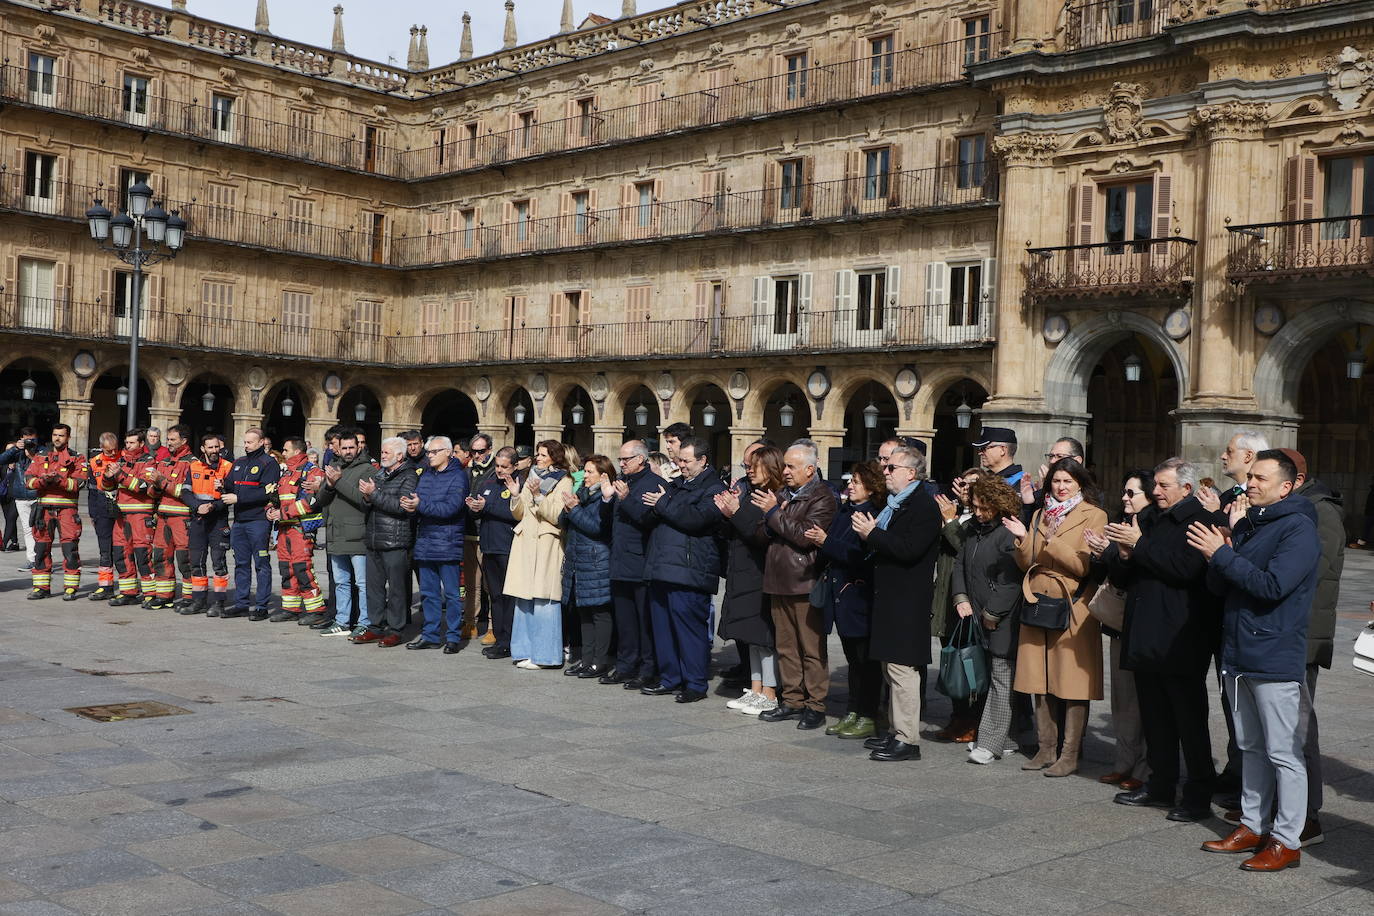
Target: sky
x,y
378,29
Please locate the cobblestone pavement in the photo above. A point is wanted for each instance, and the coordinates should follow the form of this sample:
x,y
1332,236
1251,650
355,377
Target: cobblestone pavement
x,y
316,777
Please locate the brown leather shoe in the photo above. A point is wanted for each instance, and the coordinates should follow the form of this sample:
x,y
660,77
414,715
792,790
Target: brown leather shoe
x,y
1273,857
365,637
389,640
1112,779
1242,839
1131,784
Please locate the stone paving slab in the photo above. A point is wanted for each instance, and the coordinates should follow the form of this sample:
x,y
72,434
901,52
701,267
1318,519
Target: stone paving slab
x,y
315,777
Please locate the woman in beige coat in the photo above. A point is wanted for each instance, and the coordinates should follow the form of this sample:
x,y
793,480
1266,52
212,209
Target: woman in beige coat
x,y
1064,667
535,575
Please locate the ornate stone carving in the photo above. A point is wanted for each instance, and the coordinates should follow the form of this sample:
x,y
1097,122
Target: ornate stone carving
x,y
40,239
716,48
45,33
1350,79
1231,119
792,30
470,106
140,56
1024,148
878,12
437,112
646,65
1350,132
1122,113
523,93
379,110
584,80
228,74
306,93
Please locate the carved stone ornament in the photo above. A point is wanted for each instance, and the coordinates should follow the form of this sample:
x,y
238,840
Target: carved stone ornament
x,y
1268,319
878,12
539,386
523,93
584,80
1351,132
257,378
228,74
45,33
1178,324
1055,329
332,385
793,31
716,48
1024,148
665,386
646,65
470,106
379,110
1231,118
140,55
598,387
1350,79
1122,113
482,388
906,382
738,385
306,93
176,371
84,364
437,112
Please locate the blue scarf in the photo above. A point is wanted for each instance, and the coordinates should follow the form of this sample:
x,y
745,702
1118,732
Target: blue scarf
x,y
893,502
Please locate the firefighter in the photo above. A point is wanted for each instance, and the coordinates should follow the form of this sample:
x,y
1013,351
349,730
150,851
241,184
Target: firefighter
x,y
103,516
171,549
250,484
56,476
131,479
295,506
208,530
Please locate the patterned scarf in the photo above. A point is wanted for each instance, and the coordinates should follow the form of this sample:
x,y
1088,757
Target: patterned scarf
x,y
1055,510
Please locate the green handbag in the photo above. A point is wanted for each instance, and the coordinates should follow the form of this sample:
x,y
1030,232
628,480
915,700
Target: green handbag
x,y
964,662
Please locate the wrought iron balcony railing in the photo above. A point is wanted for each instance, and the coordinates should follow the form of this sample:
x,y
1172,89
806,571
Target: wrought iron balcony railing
x,y
880,328
1332,245
1100,22
1144,267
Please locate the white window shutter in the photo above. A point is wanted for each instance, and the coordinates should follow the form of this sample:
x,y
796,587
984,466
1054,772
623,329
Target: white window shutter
x,y
894,287
989,290
804,293
763,296
844,290
937,283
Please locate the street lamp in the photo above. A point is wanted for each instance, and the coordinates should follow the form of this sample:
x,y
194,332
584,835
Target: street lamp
x,y
787,413
708,415
641,415
27,388
288,406
360,412
871,416
963,414
519,414
1354,360
207,401
578,414
124,235
1133,365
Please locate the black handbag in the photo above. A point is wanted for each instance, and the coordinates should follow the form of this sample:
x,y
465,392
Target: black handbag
x,y
1044,611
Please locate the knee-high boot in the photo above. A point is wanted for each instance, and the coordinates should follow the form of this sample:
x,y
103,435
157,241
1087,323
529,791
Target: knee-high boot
x,y
1047,732
1075,721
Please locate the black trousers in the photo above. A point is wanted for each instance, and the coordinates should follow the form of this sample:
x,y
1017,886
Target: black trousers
x,y
597,628
494,567
634,631
104,537
865,678
387,574
1173,711
11,513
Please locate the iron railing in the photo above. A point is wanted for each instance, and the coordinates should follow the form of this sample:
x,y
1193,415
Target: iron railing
x,y
1100,22
1304,247
1148,267
889,327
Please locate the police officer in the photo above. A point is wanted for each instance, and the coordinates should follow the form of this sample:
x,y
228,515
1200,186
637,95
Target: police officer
x,y
56,475
300,593
130,479
101,508
171,547
250,485
208,531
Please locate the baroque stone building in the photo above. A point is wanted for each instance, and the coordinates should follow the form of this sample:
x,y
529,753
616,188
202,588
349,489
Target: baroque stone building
x,y
1137,221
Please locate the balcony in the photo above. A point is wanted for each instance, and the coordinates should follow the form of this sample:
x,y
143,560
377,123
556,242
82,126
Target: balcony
x,y
1147,268
1101,22
894,194
888,328
1333,246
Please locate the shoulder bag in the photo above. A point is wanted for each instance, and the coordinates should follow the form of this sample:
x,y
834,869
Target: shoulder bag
x,y
1364,650
1044,611
964,662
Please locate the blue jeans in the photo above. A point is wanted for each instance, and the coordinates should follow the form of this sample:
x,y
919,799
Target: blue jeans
x,y
439,595
538,631
682,635
248,540
349,571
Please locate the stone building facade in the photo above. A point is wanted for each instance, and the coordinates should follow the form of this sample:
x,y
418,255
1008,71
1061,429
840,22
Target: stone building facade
x,y
831,218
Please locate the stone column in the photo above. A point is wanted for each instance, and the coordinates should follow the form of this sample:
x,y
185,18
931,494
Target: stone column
x,y
162,418
607,439
77,415
544,431
925,434
315,428
241,422
825,440
500,434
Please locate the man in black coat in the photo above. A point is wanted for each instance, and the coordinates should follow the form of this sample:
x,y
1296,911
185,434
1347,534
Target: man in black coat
x,y
489,502
1167,640
904,539
631,523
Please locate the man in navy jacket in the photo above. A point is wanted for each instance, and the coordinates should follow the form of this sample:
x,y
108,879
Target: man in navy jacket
x,y
250,486
489,504
1268,576
631,524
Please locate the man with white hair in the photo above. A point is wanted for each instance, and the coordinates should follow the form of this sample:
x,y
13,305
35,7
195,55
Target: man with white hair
x,y
1236,460
440,512
789,574
388,536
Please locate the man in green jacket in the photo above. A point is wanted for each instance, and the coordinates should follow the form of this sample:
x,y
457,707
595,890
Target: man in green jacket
x,y
345,517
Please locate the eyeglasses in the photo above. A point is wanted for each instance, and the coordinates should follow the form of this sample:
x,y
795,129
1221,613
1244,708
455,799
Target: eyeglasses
x,y
435,451
984,448
1128,493
631,458
889,468
480,451
1053,457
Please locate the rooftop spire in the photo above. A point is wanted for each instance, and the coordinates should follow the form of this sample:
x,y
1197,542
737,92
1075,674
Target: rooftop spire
x,y
336,44
465,45
260,21
565,24
508,39
422,53
627,8
413,52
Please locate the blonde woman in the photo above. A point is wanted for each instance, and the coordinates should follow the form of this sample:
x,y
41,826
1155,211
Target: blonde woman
x,y
535,576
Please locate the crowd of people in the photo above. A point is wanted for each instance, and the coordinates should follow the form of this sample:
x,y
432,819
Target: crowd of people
x,y
609,570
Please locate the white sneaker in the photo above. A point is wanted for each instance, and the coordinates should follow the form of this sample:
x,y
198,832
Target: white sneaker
x,y
981,755
336,630
762,704
742,700
527,665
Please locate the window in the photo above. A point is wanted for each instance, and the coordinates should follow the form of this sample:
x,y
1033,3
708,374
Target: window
x,y
522,220
585,117
440,136
877,172
378,238
872,296
372,144
644,204
468,219
793,177
222,116
429,317
470,139
42,81
216,300
1348,190
796,76
221,199
1125,12
302,129
40,194
637,299
972,152
581,203
572,310
524,133
977,39
127,179
367,317
135,99
965,294
880,61
295,311
785,317
124,295
1129,215
300,216
36,293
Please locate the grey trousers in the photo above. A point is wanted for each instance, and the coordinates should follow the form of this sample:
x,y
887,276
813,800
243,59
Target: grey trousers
x,y
995,725
905,701
1126,724
1311,749
1270,731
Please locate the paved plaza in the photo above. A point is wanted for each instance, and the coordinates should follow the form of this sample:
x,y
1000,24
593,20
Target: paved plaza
x,y
312,776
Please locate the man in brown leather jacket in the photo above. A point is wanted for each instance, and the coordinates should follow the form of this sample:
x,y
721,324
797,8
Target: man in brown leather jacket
x,y
789,574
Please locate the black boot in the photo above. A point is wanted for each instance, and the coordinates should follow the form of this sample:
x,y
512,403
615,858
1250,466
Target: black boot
x,y
196,605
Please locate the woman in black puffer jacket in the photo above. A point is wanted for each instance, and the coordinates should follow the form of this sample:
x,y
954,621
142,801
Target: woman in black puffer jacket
x,y
586,520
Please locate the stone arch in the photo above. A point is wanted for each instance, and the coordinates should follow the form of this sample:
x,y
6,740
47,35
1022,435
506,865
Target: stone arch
x,y
1278,373
934,386
1070,368
761,388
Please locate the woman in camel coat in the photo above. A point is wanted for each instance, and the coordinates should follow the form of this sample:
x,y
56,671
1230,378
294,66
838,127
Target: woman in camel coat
x,y
535,575
1064,667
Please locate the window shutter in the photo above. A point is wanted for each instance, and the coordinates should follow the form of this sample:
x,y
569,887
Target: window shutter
x,y
627,203
808,176
894,176
703,300
518,310
893,287
558,315
59,287
12,282
844,290
763,296
804,292
1085,201
1300,195
770,191
853,178
1164,206
937,284
584,315
989,290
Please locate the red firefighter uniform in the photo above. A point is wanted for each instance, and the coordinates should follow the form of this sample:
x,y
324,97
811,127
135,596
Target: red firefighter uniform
x,y
103,515
209,531
295,550
56,476
132,479
171,549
